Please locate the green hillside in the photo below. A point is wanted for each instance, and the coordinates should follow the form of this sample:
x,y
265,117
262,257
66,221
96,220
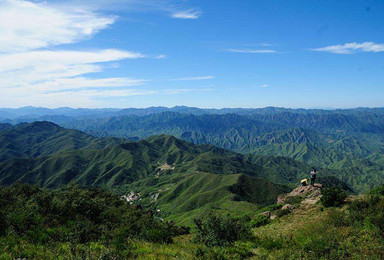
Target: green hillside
x,y
317,137
179,178
178,181
5,126
44,139
350,142
181,197
122,163
75,223
51,156
189,178
56,156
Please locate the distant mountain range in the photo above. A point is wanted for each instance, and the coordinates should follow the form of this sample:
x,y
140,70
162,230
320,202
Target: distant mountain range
x,y
30,113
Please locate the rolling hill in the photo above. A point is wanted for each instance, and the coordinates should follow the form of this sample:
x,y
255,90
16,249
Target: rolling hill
x,y
180,178
51,156
45,138
324,138
349,141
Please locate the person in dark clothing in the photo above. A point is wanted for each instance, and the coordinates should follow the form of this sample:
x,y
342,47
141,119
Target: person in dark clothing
x,y
313,177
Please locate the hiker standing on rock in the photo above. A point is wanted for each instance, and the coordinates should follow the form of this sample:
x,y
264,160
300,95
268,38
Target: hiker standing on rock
x,y
313,177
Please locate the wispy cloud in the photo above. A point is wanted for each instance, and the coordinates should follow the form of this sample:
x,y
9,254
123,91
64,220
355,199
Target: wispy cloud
x,y
195,78
25,25
179,91
252,50
31,74
74,98
161,56
82,83
187,14
265,44
50,59
172,8
44,76
40,68
33,71
264,86
353,47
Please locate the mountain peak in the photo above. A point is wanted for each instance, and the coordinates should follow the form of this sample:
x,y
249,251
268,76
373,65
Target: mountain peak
x,y
39,126
165,140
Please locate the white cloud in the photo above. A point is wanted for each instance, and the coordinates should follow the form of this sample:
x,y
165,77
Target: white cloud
x,y
81,97
179,91
195,78
56,78
353,47
32,75
33,59
172,8
35,67
79,83
26,26
75,98
187,14
46,74
161,56
252,51
264,86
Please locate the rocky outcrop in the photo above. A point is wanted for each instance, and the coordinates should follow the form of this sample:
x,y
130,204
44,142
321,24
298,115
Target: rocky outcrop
x,y
308,192
288,207
302,196
281,199
266,213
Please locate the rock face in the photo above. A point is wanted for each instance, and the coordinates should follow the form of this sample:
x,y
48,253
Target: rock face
x,y
309,192
266,213
281,199
302,196
288,207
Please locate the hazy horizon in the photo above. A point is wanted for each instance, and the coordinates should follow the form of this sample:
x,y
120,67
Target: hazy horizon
x,y
218,108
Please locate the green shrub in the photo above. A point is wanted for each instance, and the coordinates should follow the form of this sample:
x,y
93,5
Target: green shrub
x,y
337,218
3,224
260,220
220,231
271,207
77,216
323,246
282,212
270,243
293,200
368,212
229,252
379,190
333,197
157,236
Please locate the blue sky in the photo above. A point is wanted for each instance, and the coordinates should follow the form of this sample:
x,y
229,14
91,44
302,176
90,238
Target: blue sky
x,y
227,53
